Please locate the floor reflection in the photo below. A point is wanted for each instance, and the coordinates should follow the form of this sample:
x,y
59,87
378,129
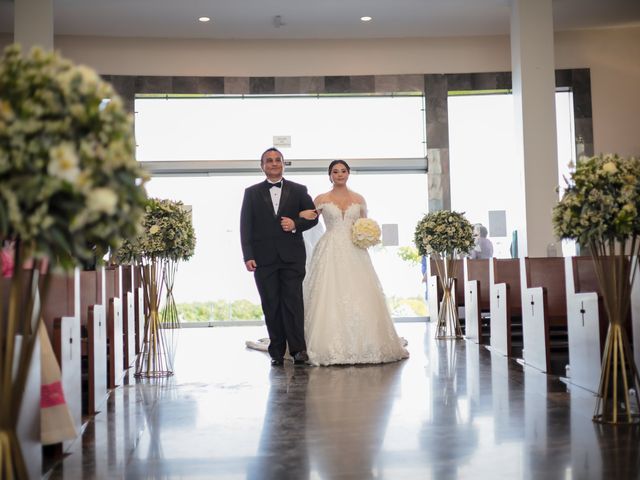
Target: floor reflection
x,y
347,415
449,437
282,450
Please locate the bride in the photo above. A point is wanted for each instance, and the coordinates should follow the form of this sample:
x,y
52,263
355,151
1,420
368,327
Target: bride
x,y
346,318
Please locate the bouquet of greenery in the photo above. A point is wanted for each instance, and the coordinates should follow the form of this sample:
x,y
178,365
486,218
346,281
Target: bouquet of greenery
x,y
365,233
445,233
167,233
600,209
601,202
69,184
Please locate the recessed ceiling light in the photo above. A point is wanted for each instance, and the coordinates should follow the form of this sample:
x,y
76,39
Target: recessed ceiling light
x,y
204,19
366,19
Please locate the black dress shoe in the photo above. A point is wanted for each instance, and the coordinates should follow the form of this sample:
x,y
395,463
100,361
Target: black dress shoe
x,y
277,362
300,358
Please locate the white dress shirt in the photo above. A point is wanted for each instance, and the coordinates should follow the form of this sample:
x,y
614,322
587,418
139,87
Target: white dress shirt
x,y
275,193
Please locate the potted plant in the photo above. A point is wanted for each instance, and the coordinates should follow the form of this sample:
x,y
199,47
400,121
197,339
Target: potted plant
x,y
445,236
167,237
70,190
600,209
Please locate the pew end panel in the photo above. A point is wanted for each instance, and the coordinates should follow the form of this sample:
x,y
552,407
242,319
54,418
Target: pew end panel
x,y
67,347
500,321
97,348
129,322
115,344
584,324
473,326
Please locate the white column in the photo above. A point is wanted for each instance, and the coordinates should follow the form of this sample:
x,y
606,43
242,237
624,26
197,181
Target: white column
x,y
533,71
33,24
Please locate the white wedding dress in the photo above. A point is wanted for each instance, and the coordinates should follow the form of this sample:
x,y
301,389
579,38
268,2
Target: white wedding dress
x,y
346,316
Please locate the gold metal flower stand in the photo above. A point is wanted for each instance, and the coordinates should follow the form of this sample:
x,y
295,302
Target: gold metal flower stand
x,y
155,359
448,326
19,326
619,377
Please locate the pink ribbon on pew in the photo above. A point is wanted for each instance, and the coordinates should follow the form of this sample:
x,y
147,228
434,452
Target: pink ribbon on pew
x,y
51,395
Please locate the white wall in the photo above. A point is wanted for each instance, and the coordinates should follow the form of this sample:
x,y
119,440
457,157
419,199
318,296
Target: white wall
x,y
613,55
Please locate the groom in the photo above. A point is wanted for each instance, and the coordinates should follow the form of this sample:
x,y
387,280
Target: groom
x,y
273,249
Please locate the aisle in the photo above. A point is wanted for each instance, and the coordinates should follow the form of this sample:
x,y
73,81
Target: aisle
x,y
453,410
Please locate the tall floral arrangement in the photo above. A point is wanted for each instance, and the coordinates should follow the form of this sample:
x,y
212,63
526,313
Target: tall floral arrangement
x,y
445,235
167,238
599,209
70,190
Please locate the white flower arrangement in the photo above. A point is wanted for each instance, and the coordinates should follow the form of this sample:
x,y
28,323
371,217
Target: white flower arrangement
x,y
444,232
601,202
365,233
70,188
168,234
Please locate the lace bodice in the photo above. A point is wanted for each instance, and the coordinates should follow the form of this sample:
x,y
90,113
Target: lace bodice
x,y
334,217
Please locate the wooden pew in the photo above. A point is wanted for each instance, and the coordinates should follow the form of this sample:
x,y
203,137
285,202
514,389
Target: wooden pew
x,y
588,322
544,313
61,315
476,299
94,322
115,347
128,316
506,306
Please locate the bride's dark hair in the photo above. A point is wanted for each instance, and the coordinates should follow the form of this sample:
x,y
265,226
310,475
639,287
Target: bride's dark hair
x,y
337,162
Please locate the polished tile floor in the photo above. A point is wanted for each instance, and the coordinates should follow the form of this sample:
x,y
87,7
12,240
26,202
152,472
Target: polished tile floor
x,y
454,410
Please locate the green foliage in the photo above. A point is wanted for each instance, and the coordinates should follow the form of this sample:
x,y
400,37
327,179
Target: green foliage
x,y
407,307
70,187
444,232
410,254
167,233
219,311
601,202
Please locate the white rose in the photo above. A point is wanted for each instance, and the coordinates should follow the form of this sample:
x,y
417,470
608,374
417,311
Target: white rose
x,y
102,199
63,162
610,167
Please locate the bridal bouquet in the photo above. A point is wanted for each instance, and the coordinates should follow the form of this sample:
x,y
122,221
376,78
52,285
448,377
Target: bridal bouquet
x,y
69,182
365,233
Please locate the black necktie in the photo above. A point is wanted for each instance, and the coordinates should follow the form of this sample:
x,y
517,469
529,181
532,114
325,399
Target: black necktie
x,y
279,184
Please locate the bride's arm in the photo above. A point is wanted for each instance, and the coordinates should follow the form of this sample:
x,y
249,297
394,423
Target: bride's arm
x,y
312,214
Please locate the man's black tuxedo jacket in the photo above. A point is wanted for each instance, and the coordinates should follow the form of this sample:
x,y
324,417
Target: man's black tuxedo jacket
x,y
261,234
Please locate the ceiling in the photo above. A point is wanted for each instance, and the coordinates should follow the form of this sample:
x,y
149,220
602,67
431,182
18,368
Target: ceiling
x,y
314,19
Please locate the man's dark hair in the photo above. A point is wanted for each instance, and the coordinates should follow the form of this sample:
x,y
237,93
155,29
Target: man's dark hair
x,y
271,149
